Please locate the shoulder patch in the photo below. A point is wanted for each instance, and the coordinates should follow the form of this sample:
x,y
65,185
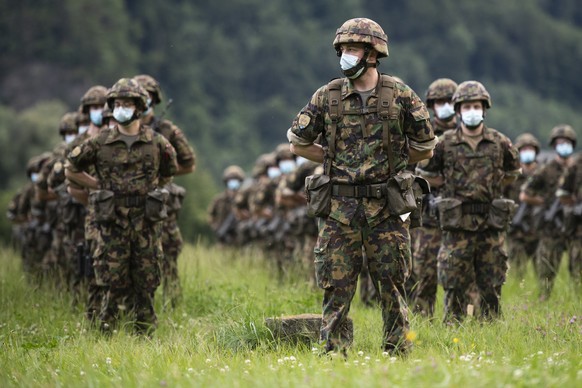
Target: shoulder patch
x,y
58,167
303,120
76,152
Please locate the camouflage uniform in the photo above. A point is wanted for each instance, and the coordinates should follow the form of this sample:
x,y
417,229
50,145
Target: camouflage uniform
x,y
128,253
426,240
172,241
553,241
221,216
571,187
472,250
522,241
356,222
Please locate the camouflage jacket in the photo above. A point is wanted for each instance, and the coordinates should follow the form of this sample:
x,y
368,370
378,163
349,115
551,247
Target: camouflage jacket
x,y
360,157
220,207
571,185
184,153
544,182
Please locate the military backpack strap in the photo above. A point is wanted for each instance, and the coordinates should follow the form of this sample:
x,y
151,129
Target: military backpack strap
x,y
335,113
386,113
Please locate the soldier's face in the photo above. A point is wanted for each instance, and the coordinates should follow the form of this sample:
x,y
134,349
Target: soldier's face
x,y
471,105
126,103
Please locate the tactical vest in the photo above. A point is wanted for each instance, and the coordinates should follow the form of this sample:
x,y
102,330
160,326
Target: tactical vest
x,y
107,165
386,109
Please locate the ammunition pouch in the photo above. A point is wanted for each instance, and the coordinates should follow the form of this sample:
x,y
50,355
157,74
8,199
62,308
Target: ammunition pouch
x,y
103,201
318,189
501,213
404,193
176,197
155,205
450,213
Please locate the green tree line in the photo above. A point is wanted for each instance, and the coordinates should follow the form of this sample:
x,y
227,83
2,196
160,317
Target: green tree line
x,y
239,70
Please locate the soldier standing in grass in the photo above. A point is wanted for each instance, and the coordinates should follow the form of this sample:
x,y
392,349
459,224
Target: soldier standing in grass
x,y
371,127
221,217
470,166
540,190
132,162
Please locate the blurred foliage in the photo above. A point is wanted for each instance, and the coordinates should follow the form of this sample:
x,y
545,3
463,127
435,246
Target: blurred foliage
x,y
238,71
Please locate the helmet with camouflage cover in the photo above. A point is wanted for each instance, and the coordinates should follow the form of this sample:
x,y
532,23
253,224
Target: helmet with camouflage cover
x,y
362,30
35,163
233,172
151,85
69,123
96,95
471,91
128,88
282,151
527,139
263,163
440,89
565,131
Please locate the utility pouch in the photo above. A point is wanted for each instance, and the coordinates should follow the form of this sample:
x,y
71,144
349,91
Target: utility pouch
x,y
400,196
176,198
103,202
420,188
450,213
501,213
318,192
155,205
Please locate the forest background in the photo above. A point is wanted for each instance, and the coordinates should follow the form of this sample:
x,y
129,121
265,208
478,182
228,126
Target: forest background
x,y
239,70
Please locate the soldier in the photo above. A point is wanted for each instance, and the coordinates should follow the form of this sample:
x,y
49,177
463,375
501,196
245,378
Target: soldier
x,y
132,163
172,241
426,240
570,194
540,190
371,127
470,166
221,217
522,240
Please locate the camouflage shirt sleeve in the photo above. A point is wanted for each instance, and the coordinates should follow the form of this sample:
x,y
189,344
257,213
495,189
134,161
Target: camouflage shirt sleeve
x,y
82,156
308,124
417,126
185,155
433,167
511,164
168,166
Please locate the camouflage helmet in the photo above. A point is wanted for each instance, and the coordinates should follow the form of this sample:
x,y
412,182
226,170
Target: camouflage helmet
x,y
233,172
471,91
96,95
282,152
263,163
69,123
527,139
362,30
35,163
565,131
151,85
128,88
440,89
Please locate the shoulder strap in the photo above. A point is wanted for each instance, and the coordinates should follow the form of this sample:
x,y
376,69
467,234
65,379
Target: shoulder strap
x,y
384,104
335,113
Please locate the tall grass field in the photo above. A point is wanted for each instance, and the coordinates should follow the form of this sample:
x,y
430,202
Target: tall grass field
x,y
217,336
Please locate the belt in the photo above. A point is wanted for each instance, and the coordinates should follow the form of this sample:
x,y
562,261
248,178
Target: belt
x,y
377,190
130,201
475,207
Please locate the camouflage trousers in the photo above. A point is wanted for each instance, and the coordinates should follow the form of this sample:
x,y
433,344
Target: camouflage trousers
x,y
548,258
521,250
467,257
127,265
426,242
172,244
338,263
368,293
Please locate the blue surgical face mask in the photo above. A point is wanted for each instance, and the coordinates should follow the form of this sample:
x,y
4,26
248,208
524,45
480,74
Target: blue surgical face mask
x,y
96,116
273,172
83,129
445,111
123,115
564,149
472,117
527,156
69,138
34,177
287,166
233,184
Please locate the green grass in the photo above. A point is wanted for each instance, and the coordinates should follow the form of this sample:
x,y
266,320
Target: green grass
x,y
217,337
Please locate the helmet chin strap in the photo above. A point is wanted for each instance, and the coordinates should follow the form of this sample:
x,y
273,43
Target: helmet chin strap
x,y
357,71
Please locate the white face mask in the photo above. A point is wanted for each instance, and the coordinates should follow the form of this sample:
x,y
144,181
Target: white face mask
x,y
123,115
273,172
69,138
349,61
233,184
445,111
287,166
472,117
564,149
34,177
96,116
527,156
83,129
